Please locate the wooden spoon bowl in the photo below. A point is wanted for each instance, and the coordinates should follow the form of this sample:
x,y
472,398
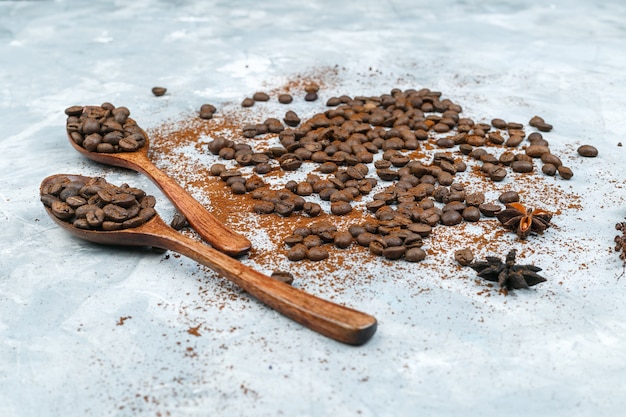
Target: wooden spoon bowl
x,y
332,320
208,226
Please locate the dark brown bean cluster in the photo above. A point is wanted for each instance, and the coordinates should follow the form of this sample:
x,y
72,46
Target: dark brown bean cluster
x,y
386,133
620,241
95,204
105,128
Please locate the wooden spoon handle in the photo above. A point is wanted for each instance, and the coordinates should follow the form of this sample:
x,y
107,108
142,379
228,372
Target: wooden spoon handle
x,y
208,226
333,320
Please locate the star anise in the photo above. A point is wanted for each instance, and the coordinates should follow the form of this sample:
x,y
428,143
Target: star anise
x,y
524,221
507,274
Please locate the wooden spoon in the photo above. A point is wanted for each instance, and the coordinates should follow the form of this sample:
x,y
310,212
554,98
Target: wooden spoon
x,y
333,320
208,226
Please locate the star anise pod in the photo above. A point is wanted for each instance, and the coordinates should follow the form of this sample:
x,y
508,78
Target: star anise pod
x,y
507,274
524,221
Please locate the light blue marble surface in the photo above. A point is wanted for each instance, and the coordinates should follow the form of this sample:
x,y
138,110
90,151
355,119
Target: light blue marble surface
x,y
559,350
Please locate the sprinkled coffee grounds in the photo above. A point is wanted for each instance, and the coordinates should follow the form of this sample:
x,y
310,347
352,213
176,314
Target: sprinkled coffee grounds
x,y
407,203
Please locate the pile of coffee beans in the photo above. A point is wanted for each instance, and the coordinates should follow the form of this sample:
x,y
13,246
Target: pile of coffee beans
x,y
94,204
363,141
104,128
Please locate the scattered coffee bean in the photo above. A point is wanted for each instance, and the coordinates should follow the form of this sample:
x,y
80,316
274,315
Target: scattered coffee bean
x,y
536,151
207,111
565,172
415,255
317,253
340,208
471,214
247,102
549,169
312,96
522,166
509,197
158,91
489,210
588,151
178,222
260,96
283,276
285,98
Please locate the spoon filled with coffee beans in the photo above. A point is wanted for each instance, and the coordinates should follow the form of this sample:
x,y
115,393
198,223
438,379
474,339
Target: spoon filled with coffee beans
x,y
97,211
106,134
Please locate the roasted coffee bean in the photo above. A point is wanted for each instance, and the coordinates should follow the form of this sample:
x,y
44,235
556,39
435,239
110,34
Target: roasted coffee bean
x,y
115,213
290,162
522,166
262,168
340,208
260,96
376,247
365,238
343,239
549,169
304,189
263,207
283,276
207,111
238,187
312,96
513,141
158,91
497,174
297,252
178,222
291,119
311,241
95,218
394,252
62,210
317,253
464,256
451,217
247,102
588,151
293,240
284,207
312,209
565,172
536,151
285,98
489,209
548,158
415,255
509,197
471,214
475,199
